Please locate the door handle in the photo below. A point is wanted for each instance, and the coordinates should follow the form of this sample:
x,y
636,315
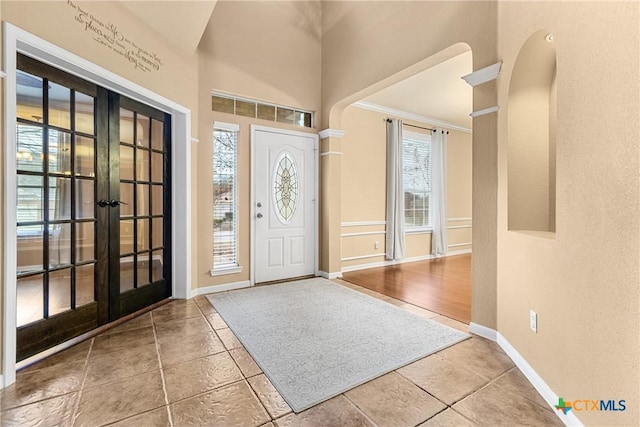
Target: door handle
x,y
114,203
259,215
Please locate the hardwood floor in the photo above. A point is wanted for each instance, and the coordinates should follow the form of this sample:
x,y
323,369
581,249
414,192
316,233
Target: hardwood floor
x,y
441,285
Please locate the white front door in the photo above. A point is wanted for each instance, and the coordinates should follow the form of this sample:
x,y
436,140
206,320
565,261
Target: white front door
x,y
284,211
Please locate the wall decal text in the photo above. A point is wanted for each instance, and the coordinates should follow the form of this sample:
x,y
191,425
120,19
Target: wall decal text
x,y
108,35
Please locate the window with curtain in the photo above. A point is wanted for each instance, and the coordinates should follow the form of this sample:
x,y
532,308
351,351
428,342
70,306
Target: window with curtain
x,y
225,199
417,179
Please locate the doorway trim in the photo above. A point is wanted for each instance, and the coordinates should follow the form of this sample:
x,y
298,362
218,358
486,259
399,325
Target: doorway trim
x,y
17,40
316,210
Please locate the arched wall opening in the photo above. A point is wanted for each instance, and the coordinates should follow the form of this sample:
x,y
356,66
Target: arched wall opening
x,y
335,112
417,95
532,136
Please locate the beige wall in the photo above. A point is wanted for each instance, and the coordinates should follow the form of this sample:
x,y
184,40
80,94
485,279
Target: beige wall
x,y
529,127
175,79
364,189
369,45
262,50
582,281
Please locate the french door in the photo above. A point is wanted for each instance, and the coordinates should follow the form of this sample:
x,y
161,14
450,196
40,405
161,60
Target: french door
x,y
93,206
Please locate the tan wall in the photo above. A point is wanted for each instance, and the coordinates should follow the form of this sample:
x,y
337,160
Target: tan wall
x,y
262,50
265,50
364,188
369,45
529,128
176,78
582,281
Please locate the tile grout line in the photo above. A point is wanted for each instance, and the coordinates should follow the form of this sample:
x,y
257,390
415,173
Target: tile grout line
x,y
355,405
466,368
255,395
425,390
463,415
446,408
504,374
235,362
74,414
271,417
164,385
244,378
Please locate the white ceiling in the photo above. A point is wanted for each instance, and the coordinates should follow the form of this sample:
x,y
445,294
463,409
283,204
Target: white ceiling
x,y
438,93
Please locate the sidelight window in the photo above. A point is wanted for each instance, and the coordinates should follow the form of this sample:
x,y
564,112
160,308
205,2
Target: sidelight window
x,y
225,199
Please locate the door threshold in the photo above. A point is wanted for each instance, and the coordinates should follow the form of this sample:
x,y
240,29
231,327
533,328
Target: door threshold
x,y
87,335
290,279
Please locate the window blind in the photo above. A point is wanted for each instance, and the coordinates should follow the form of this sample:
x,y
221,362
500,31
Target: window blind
x,y
225,201
416,165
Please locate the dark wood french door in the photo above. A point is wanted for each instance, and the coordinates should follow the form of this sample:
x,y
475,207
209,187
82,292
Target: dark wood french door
x,y
93,206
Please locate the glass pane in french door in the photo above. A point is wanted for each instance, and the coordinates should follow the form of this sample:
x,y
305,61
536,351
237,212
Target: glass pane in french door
x,y
56,184
156,200
142,156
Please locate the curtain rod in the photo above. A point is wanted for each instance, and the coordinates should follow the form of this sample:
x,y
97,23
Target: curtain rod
x,y
419,127
414,126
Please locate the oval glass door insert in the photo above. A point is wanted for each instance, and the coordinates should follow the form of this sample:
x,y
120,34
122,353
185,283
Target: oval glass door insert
x,y
285,187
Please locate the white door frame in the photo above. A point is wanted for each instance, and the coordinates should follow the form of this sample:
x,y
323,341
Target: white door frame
x,y
252,209
18,40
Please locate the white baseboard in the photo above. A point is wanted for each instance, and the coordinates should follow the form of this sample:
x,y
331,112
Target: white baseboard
x,y
385,263
536,380
330,276
399,261
483,331
219,288
460,252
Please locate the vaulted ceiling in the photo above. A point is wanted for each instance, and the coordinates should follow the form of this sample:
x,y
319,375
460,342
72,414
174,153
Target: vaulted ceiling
x,y
180,22
437,92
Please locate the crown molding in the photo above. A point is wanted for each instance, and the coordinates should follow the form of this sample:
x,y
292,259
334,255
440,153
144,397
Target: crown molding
x,y
331,133
409,116
483,75
485,111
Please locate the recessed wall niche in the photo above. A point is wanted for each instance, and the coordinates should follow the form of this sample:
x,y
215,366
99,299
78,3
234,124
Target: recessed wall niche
x,y
532,136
